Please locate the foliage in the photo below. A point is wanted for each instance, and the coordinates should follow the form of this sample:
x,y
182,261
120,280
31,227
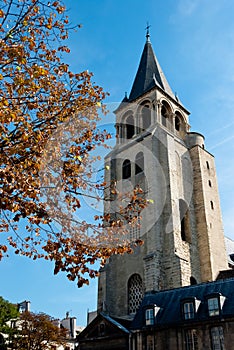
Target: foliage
x,y
38,332
47,135
8,312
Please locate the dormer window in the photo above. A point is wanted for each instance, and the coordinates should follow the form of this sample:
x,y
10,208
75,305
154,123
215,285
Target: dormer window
x,y
215,304
150,315
189,308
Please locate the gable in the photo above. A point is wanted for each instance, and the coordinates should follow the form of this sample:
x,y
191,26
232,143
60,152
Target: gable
x,y
103,326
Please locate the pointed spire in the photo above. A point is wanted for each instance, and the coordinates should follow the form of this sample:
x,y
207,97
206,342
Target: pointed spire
x,y
149,73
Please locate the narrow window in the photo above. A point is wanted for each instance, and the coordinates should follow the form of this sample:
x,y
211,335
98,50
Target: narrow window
x,y
188,310
212,205
177,123
217,338
129,127
191,339
209,182
146,117
139,163
207,165
149,317
102,329
126,170
213,306
184,221
135,293
193,281
164,115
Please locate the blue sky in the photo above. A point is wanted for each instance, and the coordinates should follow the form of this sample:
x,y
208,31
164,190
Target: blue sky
x,y
194,43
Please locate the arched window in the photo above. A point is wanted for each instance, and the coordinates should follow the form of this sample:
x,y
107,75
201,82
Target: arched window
x,y
193,281
126,169
164,115
184,221
139,163
135,293
177,123
146,117
129,127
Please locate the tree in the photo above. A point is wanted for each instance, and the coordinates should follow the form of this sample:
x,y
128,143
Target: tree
x,y
47,135
8,312
38,332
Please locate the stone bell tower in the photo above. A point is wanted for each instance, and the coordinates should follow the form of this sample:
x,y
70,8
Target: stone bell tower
x,y
182,226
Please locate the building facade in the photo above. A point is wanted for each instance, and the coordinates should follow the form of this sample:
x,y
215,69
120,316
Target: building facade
x,y
175,291
182,226
197,317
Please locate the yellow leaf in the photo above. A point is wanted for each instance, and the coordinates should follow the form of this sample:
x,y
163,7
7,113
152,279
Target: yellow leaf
x,y
150,201
99,104
107,167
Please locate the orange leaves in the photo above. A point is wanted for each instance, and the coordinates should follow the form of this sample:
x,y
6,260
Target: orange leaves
x,y
47,135
64,49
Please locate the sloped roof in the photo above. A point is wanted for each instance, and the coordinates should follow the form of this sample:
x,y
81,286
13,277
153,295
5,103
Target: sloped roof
x,y
169,302
91,331
149,74
114,322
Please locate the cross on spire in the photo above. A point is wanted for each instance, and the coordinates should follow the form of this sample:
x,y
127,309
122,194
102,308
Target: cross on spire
x,y
147,31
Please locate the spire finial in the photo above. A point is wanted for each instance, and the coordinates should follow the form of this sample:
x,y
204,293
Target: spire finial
x,y
147,32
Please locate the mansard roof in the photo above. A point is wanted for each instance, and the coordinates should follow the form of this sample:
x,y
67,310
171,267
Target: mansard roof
x,y
149,74
169,303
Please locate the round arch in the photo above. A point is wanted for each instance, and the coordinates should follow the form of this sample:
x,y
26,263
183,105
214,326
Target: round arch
x,y
144,112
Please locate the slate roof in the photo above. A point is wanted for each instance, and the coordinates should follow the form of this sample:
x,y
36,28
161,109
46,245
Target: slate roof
x,y
149,75
169,302
114,322
89,330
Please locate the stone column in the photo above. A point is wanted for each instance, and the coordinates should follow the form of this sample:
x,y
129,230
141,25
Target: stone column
x,y
159,109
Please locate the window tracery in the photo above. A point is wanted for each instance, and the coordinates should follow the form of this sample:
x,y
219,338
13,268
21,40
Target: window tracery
x,y
135,293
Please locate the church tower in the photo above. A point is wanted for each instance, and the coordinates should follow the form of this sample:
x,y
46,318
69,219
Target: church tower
x,y
182,226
